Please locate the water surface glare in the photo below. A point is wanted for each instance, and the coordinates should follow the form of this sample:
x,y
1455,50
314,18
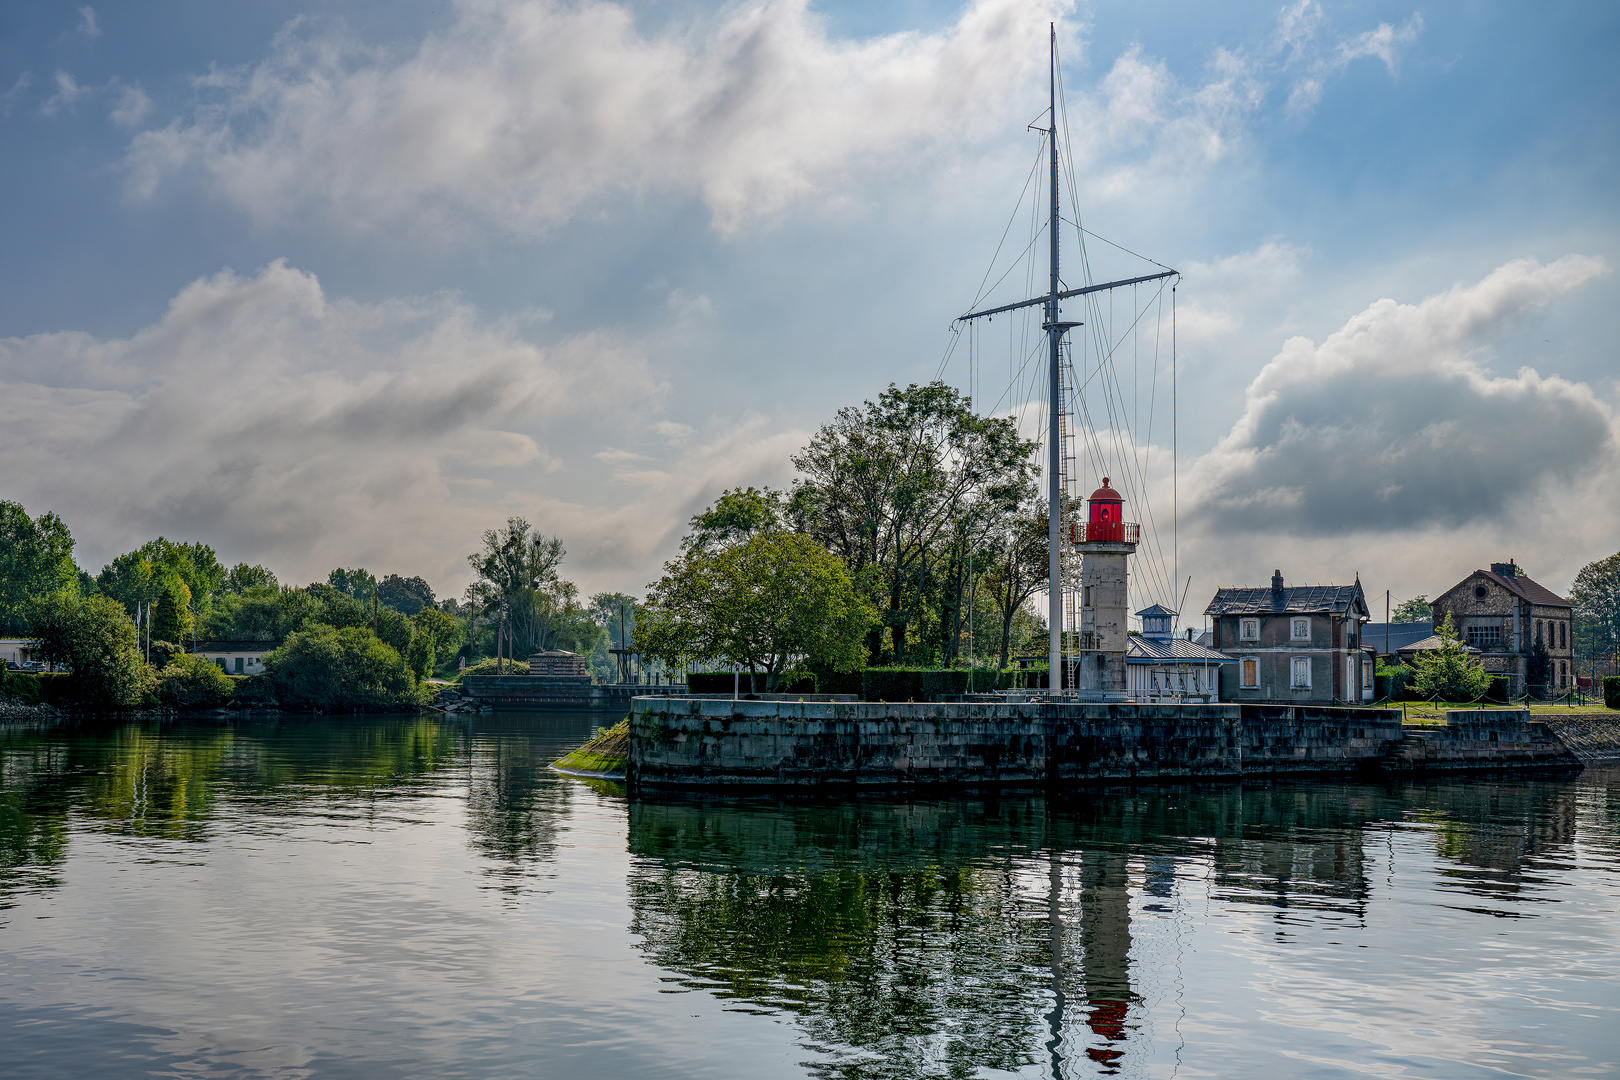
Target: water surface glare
x,y
413,897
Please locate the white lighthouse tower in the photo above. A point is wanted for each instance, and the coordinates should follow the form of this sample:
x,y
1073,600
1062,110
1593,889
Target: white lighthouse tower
x,y
1105,542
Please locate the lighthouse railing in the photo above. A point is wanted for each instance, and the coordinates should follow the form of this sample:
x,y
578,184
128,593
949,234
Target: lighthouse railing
x,y
1119,532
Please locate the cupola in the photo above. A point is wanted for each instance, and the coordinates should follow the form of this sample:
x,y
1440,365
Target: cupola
x,y
1107,514
1156,622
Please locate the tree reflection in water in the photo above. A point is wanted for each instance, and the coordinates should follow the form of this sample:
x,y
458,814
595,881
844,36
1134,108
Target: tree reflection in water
x,y
915,939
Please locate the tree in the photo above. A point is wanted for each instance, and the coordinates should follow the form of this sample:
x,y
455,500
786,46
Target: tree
x,y
735,516
1448,672
1016,567
405,595
519,568
36,561
171,620
192,682
96,639
441,629
356,584
884,483
141,576
419,656
1416,609
323,667
1596,598
1538,671
242,577
765,603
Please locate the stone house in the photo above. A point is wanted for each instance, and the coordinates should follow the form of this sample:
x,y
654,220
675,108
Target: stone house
x,y
1503,614
1294,644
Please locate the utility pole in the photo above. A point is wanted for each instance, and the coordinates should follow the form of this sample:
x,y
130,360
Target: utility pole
x,y
1386,622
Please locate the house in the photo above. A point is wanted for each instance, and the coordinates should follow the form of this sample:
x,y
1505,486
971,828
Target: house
x,y
560,664
1162,667
1408,654
235,657
1293,644
15,652
1504,614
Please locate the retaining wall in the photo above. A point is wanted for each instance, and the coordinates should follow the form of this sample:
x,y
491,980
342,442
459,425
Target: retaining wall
x,y
712,743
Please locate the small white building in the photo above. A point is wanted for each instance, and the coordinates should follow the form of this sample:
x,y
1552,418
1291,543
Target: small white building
x,y
235,657
1162,667
16,651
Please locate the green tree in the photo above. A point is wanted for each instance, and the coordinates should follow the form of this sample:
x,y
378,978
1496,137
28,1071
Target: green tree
x,y
1015,566
440,628
242,577
884,484
419,656
1417,609
1596,598
1449,672
519,572
188,681
96,639
326,668
36,561
1538,671
765,603
171,619
405,595
356,584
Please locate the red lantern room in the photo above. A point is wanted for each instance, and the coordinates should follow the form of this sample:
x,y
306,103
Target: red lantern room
x,y
1107,514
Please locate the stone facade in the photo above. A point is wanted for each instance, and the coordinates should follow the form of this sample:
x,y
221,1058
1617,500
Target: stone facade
x,y
1299,644
1502,613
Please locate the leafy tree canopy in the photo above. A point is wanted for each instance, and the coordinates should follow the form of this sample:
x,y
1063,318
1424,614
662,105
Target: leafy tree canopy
x,y
243,577
765,603
327,668
357,584
96,639
36,561
405,595
1449,672
1417,609
1596,597
440,628
735,516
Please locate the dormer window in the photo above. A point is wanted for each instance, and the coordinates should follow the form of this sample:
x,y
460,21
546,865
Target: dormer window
x,y
1249,629
1302,629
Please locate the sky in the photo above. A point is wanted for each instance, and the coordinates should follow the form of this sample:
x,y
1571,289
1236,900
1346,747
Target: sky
x,y
346,283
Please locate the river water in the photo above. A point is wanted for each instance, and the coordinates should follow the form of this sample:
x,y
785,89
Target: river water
x,y
411,897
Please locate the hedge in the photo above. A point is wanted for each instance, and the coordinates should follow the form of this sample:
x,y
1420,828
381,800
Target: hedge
x,y
723,682
1611,691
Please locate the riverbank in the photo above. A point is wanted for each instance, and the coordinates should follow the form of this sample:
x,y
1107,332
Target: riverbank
x,y
698,743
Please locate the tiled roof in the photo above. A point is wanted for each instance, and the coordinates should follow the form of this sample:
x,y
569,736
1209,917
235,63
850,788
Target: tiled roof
x,y
234,646
1401,634
1430,644
1143,650
1303,599
1520,585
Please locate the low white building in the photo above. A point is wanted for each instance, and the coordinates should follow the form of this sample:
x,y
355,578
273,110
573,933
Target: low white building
x,y
235,657
15,651
1162,667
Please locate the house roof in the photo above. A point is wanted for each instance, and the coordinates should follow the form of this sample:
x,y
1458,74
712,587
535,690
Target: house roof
x,y
1521,586
1143,650
1401,634
1300,599
234,646
1156,609
1431,643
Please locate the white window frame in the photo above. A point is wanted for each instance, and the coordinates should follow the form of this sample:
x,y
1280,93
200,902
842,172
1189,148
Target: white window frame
x,y
1243,667
1295,665
1248,629
1294,622
1366,674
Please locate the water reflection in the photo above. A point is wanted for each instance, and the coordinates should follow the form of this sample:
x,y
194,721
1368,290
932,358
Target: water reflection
x,y
938,939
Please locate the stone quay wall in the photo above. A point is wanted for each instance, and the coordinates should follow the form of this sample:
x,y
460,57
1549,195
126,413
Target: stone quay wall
x,y
720,743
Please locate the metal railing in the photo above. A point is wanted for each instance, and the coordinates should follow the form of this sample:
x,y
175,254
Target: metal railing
x,y
1121,532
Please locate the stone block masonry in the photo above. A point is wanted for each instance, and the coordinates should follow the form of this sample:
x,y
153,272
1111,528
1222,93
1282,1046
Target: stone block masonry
x,y
720,743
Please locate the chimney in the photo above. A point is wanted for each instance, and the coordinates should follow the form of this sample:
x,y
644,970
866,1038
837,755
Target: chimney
x,y
1276,581
1506,569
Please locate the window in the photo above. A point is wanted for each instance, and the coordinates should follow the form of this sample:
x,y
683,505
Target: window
x,y
1249,630
1301,673
1085,600
1482,636
1538,631
1563,674
1302,630
1251,674
1366,674
1479,592
1563,635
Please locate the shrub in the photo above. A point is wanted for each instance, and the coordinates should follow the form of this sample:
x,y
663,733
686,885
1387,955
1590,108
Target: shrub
x,y
191,682
96,638
722,682
1397,678
491,666
328,669
20,686
1449,673
1611,691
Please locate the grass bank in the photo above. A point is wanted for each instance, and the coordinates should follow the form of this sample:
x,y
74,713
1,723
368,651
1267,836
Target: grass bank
x,y
604,755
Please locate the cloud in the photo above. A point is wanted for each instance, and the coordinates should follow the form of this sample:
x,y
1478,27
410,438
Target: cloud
x,y
1232,284
532,112
133,104
1312,62
68,91
8,100
87,22
279,424
1395,423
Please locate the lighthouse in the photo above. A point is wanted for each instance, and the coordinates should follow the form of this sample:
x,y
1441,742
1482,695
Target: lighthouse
x,y
1105,541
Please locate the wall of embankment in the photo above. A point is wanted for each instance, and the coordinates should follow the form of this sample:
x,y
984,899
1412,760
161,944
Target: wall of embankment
x,y
721,743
